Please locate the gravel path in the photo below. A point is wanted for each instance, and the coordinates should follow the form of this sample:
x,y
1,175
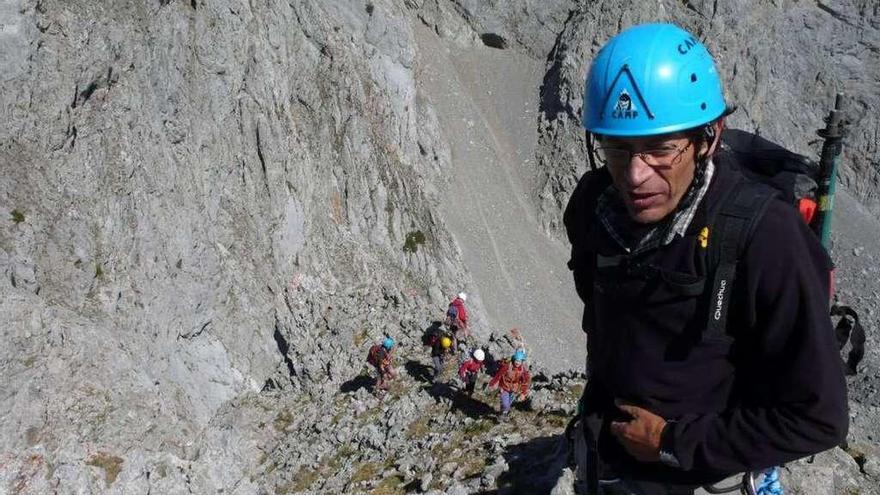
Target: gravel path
x,y
486,104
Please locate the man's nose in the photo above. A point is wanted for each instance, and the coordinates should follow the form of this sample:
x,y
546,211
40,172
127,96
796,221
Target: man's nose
x,y
637,171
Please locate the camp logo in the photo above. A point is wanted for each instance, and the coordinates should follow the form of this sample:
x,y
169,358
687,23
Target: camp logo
x,y
624,108
622,105
685,46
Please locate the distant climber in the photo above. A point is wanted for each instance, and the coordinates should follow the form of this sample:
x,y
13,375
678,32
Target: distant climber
x,y
517,340
441,350
470,369
710,348
457,318
513,380
381,357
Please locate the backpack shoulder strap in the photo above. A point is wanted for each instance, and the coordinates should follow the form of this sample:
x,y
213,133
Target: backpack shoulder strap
x,y
733,224
581,207
579,219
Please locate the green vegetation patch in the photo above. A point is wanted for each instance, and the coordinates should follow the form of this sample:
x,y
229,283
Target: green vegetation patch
x,y
344,453
341,457
478,427
390,486
366,471
306,476
858,455
17,216
556,419
413,240
360,337
473,466
111,465
418,428
303,479
282,420
397,389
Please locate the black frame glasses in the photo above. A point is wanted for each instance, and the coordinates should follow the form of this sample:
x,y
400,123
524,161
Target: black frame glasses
x,y
653,157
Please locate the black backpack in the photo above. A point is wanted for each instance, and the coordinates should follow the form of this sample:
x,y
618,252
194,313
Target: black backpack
x,y
451,314
431,335
794,179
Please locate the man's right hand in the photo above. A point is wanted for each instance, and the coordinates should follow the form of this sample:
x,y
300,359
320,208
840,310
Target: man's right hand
x,y
640,435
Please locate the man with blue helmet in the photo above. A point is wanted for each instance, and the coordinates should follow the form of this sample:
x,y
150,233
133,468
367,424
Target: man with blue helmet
x,y
698,370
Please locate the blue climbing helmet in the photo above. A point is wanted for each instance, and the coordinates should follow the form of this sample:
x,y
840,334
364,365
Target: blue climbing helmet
x,y
651,79
519,355
388,343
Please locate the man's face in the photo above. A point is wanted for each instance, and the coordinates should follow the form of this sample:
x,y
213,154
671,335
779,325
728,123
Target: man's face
x,y
650,189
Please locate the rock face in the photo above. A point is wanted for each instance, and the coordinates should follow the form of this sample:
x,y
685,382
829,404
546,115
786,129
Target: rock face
x,y
214,199
210,209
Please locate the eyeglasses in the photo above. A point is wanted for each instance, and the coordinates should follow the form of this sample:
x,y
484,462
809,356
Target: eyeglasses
x,y
653,157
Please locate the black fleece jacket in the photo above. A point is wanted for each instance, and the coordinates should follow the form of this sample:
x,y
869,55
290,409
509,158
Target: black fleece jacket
x,y
768,391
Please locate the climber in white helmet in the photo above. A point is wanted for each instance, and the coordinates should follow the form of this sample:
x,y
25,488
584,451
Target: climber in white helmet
x,y
470,369
457,318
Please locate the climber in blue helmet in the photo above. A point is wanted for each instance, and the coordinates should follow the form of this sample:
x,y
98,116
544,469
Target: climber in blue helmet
x,y
512,380
381,357
710,348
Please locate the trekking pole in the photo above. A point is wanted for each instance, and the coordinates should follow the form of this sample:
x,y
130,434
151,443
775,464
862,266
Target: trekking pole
x,y
833,135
